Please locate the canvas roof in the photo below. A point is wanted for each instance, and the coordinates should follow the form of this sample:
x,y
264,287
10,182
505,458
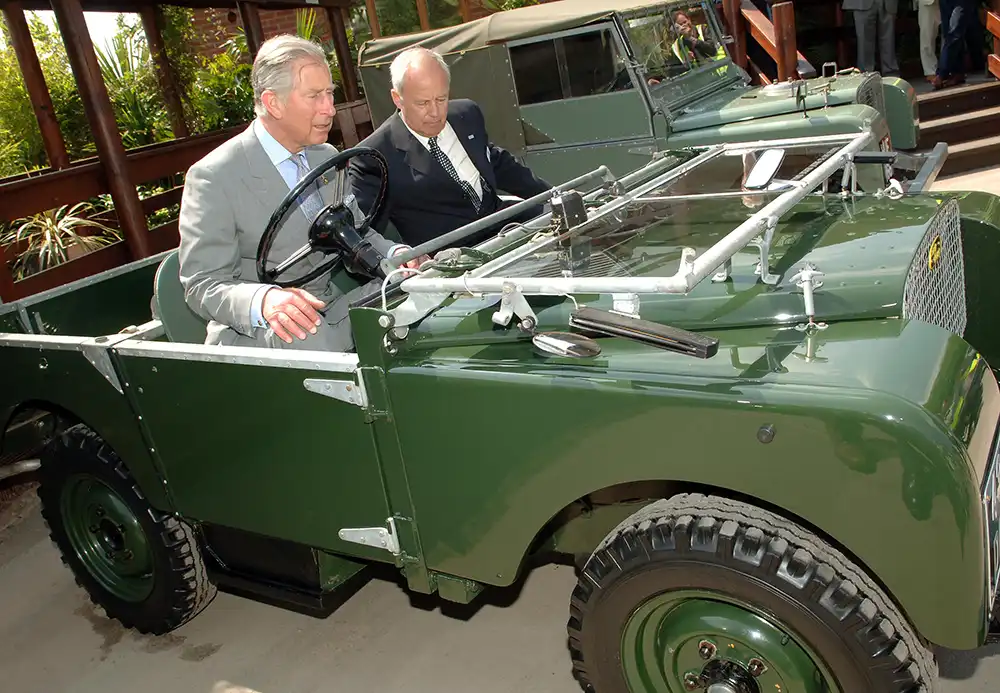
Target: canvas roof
x,y
522,22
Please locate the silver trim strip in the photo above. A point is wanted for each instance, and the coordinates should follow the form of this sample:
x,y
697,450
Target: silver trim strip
x,y
330,362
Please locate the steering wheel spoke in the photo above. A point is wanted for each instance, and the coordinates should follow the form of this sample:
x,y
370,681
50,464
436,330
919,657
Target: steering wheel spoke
x,y
334,231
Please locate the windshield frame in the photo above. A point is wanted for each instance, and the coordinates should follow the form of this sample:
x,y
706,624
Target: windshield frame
x,y
489,278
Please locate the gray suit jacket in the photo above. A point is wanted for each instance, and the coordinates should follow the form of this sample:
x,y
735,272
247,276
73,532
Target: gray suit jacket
x,y
228,197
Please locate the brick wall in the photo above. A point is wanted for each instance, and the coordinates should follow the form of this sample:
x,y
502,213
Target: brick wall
x,y
213,27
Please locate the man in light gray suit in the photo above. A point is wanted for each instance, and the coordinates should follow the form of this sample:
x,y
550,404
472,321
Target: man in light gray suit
x,y
230,194
869,15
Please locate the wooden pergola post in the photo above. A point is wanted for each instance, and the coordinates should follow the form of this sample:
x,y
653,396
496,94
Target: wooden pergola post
x,y
425,18
339,30
152,25
34,81
783,14
733,14
97,104
373,19
250,16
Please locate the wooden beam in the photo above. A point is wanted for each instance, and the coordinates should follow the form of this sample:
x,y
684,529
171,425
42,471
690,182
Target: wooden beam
x,y
464,10
422,13
34,81
737,30
152,25
343,49
373,18
135,5
83,61
250,16
783,14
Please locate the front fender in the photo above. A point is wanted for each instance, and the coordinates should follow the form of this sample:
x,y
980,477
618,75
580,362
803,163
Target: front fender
x,y
873,427
52,373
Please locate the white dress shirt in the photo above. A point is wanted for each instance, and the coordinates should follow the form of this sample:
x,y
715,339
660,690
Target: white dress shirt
x,y
453,149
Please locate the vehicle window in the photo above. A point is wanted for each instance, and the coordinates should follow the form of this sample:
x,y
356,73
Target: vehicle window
x,y
568,67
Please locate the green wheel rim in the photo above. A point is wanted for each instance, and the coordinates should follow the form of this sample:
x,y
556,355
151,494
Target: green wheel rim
x,y
667,638
107,537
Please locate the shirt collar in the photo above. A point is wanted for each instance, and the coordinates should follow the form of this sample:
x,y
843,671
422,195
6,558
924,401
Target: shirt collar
x,y
421,138
276,151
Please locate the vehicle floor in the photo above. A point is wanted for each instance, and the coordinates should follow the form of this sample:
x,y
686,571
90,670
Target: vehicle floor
x,y
379,640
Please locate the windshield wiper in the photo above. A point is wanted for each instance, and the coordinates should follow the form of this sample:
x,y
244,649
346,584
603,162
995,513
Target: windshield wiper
x,y
604,322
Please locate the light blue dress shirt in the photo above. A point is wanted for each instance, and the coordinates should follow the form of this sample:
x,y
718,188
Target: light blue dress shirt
x,y
282,160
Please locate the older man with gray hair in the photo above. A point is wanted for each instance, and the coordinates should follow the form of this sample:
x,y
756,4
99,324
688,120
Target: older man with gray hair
x,y
444,172
230,194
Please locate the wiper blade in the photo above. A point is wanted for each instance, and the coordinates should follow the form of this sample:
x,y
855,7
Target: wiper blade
x,y
603,322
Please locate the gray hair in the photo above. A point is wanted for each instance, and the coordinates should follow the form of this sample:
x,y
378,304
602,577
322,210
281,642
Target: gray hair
x,y
273,68
402,62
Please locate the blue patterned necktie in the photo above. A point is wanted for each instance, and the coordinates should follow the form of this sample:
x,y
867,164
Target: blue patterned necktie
x,y
446,164
310,199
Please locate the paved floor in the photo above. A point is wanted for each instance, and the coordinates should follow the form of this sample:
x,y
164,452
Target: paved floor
x,y
55,642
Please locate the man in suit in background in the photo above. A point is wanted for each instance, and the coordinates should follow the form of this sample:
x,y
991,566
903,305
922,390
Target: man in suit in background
x,y
230,194
871,17
443,170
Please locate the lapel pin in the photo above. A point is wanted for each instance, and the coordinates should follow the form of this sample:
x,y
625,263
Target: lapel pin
x,y
472,137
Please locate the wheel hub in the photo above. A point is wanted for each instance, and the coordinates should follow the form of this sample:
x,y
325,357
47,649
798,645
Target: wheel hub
x,y
689,640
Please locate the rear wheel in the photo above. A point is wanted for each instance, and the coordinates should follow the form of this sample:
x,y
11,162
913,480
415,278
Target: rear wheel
x,y
700,593
142,566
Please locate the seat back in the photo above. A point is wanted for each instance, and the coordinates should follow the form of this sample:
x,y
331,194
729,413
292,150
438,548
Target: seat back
x,y
180,323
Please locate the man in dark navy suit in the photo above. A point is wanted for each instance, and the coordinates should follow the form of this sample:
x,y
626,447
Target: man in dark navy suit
x,y
443,170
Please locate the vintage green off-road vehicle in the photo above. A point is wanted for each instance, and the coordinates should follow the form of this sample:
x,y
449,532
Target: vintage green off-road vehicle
x,y
758,408
570,85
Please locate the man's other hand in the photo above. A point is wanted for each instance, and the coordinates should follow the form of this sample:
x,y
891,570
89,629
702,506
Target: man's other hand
x,y
290,312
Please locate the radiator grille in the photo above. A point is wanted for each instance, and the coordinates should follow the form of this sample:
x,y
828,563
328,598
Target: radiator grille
x,y
935,285
870,93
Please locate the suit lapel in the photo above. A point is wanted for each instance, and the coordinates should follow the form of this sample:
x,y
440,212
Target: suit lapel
x,y
474,144
263,180
415,154
316,156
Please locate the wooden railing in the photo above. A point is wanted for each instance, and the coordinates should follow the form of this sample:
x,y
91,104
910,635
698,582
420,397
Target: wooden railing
x,y
744,20
993,27
28,194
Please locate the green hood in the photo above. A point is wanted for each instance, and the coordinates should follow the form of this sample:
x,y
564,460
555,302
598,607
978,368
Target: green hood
x,y
866,250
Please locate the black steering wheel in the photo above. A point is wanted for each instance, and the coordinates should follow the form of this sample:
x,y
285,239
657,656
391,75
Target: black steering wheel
x,y
332,231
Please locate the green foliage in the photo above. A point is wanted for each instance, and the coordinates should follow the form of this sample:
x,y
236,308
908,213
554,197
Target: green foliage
x,y
223,93
49,238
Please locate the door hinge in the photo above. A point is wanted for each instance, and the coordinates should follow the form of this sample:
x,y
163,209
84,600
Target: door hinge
x,y
379,537
342,390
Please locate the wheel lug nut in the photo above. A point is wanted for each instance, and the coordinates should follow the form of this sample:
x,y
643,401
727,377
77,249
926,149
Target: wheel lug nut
x,y
756,667
691,682
706,649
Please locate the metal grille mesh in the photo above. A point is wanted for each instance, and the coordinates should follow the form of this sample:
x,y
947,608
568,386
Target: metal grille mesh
x,y
935,285
870,93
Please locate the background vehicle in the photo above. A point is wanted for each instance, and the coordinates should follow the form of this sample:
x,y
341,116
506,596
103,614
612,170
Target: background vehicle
x,y
761,417
566,86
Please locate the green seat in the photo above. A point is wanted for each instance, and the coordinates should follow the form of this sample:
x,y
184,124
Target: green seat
x,y
179,322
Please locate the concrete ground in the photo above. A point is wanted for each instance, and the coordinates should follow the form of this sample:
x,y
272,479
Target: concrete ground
x,y
54,641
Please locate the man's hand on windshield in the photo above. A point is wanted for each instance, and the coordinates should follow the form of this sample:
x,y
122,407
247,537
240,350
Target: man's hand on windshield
x,y
412,264
291,312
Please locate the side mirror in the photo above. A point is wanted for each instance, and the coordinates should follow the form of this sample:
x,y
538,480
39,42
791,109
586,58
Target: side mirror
x,y
764,171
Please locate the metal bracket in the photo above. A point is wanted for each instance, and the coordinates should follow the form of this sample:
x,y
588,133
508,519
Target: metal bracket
x,y
379,537
513,303
723,274
341,390
625,304
808,279
763,243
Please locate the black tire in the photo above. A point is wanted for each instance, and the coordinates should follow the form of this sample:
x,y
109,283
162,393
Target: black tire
x,y
743,553
172,579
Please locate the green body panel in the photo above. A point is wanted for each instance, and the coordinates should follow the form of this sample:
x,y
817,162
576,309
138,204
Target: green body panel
x,y
622,115
901,112
102,304
10,321
858,419
65,379
276,459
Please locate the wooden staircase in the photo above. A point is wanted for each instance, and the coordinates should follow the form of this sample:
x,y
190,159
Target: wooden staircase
x,y
968,119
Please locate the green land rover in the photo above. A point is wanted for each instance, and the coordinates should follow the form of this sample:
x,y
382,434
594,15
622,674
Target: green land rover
x,y
757,408
570,85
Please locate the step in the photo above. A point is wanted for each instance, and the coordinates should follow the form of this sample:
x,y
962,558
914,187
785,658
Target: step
x,y
973,154
958,100
960,127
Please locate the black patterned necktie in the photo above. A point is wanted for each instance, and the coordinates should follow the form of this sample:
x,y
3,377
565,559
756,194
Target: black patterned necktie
x,y
445,162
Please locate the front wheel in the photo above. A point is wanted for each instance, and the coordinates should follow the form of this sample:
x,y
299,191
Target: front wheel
x,y
142,566
701,593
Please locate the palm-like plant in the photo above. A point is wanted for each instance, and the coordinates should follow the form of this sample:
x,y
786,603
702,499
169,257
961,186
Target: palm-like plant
x,y
46,239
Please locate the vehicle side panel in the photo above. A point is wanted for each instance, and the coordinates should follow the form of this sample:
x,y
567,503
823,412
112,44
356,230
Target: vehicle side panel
x,y
980,233
98,305
65,379
858,412
247,446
